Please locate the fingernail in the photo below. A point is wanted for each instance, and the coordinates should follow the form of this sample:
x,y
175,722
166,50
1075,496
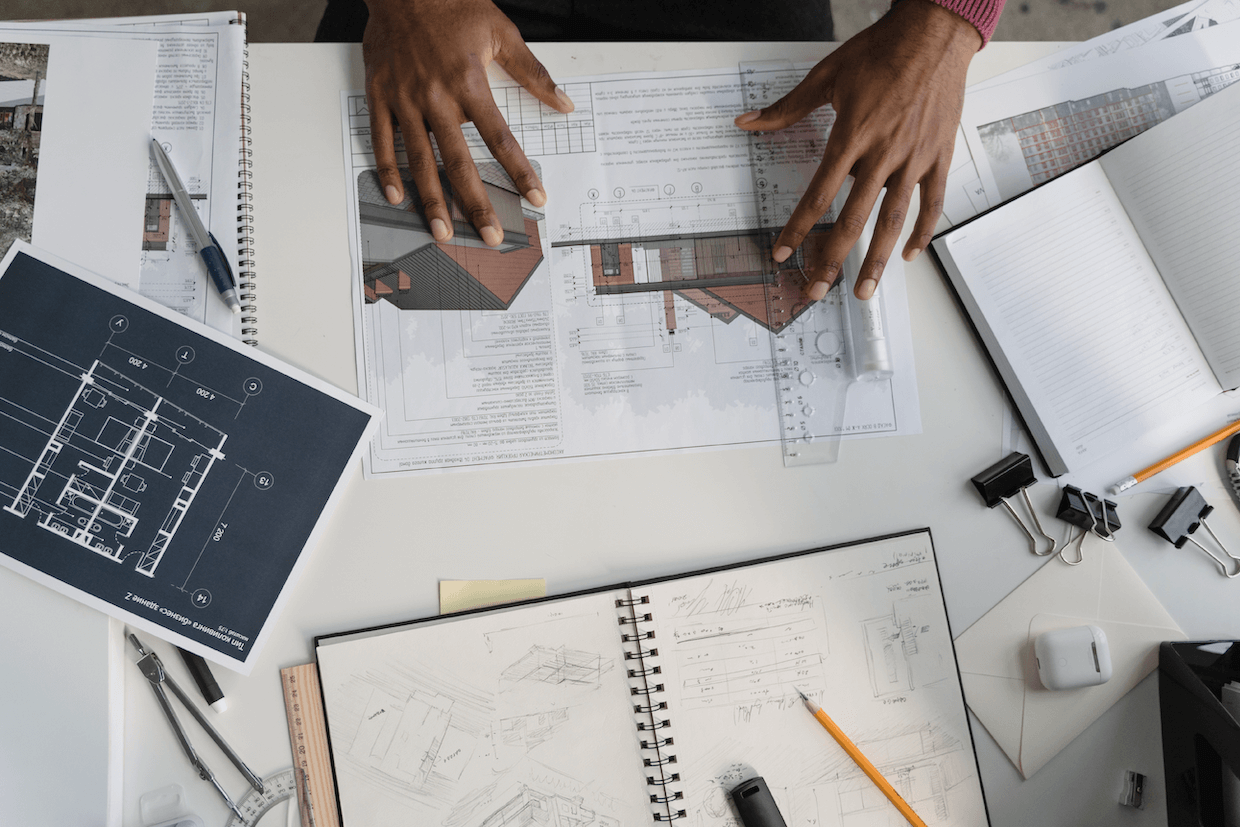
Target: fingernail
x,y
536,197
393,196
491,236
818,291
781,254
747,117
912,254
564,98
866,288
439,229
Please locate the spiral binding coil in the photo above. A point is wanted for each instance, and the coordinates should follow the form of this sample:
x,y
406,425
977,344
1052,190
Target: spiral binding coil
x,y
655,749
246,275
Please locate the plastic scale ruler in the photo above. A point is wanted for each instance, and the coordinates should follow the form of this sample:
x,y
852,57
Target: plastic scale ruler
x,y
255,805
811,342
307,732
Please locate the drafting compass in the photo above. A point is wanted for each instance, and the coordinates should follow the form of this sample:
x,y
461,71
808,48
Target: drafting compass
x,y
153,669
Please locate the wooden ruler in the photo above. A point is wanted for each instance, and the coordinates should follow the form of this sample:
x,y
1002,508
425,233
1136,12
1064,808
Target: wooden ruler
x,y
307,732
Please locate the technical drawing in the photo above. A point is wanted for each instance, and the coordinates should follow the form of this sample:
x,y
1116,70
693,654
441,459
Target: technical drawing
x,y
523,805
750,659
114,437
926,767
533,729
403,263
705,249
560,665
896,663
149,470
1050,141
412,735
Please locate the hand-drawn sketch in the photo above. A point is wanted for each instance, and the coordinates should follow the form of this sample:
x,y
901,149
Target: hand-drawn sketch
x,y
750,657
142,463
559,665
521,805
896,662
532,729
928,768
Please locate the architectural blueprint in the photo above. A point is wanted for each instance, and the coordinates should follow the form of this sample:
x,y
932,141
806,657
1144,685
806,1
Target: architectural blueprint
x,y
629,317
197,116
966,196
1074,113
551,713
165,476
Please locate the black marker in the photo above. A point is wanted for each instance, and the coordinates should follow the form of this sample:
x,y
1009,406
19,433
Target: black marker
x,y
210,690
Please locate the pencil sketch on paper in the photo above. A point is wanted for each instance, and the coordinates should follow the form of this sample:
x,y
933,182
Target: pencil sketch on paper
x,y
895,661
534,794
532,729
411,734
23,76
752,656
558,665
927,767
933,771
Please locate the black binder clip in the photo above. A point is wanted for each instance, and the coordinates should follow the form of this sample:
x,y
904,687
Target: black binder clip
x,y
1091,514
1179,519
1007,478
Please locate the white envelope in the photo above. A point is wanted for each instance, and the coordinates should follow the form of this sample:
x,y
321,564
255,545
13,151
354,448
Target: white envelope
x,y
1030,723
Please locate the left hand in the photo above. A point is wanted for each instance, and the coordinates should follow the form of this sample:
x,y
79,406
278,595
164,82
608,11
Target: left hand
x,y
897,89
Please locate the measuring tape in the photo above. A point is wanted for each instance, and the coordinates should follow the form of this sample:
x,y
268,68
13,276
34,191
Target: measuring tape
x,y
811,342
307,732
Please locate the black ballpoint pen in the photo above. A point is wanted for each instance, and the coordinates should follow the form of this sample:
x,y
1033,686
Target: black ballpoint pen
x,y
217,263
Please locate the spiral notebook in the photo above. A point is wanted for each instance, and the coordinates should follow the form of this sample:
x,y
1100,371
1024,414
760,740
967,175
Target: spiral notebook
x,y
201,116
647,702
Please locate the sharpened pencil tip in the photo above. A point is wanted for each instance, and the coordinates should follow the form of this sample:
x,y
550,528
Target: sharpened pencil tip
x,y
802,694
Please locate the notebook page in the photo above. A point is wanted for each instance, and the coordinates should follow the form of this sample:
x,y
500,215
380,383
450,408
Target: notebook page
x,y
862,631
1079,322
1180,182
486,718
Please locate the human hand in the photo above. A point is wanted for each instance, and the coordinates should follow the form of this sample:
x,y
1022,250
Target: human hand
x,y
426,69
897,89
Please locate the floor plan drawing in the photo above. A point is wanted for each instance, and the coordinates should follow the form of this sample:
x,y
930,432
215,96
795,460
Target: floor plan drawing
x,y
114,450
140,461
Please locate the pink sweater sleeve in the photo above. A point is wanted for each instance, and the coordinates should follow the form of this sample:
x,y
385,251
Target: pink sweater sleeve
x,y
983,14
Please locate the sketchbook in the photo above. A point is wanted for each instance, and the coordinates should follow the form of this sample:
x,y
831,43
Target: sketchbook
x,y
155,469
648,702
1107,298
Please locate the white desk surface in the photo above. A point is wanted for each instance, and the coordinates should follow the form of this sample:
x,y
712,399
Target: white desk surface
x,y
589,524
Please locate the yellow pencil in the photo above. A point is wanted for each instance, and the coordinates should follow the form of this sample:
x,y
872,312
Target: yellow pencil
x,y
862,762
1163,465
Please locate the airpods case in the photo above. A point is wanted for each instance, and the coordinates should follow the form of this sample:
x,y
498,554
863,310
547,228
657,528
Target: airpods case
x,y
1072,658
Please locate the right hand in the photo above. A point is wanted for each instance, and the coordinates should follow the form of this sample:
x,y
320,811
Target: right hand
x,y
426,70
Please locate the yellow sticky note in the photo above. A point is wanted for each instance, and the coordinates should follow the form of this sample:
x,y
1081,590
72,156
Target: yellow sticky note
x,y
459,595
